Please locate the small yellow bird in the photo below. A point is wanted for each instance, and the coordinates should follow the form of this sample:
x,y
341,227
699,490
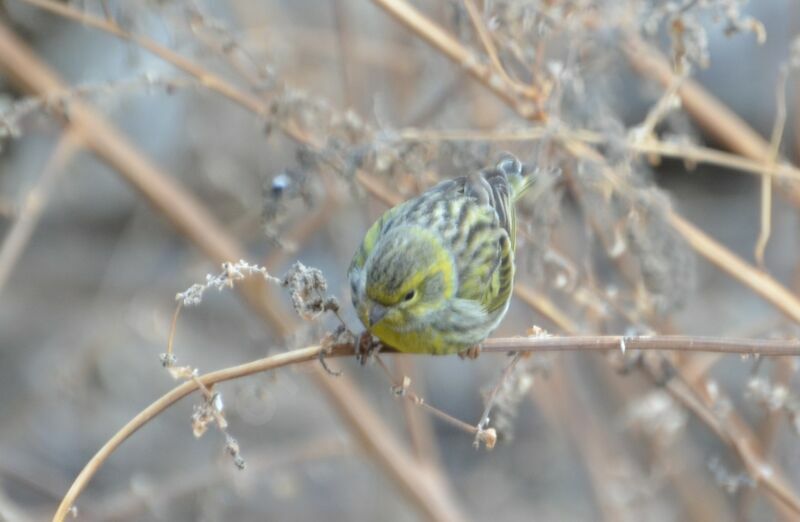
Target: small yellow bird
x,y
435,274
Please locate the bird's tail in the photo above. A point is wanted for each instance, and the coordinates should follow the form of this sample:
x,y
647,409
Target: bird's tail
x,y
518,179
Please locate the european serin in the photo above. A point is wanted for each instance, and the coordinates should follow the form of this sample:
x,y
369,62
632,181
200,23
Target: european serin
x,y
435,274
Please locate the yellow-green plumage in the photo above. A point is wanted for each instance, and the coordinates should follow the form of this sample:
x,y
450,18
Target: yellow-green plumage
x,y
435,274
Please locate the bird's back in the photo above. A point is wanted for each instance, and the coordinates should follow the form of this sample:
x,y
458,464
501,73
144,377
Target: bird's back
x,y
474,218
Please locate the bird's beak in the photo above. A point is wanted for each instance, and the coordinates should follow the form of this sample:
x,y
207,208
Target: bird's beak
x,y
376,314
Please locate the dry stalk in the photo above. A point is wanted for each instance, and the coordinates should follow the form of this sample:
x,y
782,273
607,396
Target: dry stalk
x,y
378,441
35,203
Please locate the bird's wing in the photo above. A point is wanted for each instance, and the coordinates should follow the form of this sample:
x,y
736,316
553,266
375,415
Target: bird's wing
x,y
485,257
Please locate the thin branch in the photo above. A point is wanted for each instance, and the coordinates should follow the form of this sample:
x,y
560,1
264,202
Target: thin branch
x,y
185,213
440,39
496,345
761,283
708,111
170,398
34,204
672,343
491,50
734,432
684,151
766,179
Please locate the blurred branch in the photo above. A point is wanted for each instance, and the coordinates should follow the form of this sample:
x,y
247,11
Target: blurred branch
x,y
767,433
34,204
128,504
381,443
443,41
758,281
710,113
651,147
734,432
185,213
776,138
491,50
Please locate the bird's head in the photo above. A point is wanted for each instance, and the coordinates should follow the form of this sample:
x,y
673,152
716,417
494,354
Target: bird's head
x,y
407,275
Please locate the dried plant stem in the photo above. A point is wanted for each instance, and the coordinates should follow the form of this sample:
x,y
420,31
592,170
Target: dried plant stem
x,y
34,204
172,328
710,113
185,213
758,281
440,39
491,50
170,398
497,345
490,400
420,428
734,432
415,399
766,179
761,283
651,147
672,343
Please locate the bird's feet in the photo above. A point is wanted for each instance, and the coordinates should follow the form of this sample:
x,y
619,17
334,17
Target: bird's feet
x,y
366,347
470,353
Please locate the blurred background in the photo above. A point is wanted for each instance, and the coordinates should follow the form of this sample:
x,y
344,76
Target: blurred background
x,y
143,143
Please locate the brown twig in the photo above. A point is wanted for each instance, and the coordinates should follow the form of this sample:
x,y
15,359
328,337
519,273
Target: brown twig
x,y
491,50
652,147
772,155
378,440
170,398
734,432
440,39
710,113
758,281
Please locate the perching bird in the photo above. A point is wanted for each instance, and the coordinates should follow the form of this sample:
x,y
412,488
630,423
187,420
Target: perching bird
x,y
435,274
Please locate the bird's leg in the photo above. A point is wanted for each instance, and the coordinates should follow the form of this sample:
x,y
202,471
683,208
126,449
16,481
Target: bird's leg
x,y
321,356
327,347
470,353
367,346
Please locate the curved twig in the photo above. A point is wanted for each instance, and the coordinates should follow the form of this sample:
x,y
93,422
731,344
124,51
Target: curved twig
x,y
497,345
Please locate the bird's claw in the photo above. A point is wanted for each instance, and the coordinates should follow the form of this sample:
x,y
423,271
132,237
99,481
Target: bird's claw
x,y
470,353
366,347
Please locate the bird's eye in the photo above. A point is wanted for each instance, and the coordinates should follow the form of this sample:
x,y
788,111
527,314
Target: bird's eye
x,y
409,296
